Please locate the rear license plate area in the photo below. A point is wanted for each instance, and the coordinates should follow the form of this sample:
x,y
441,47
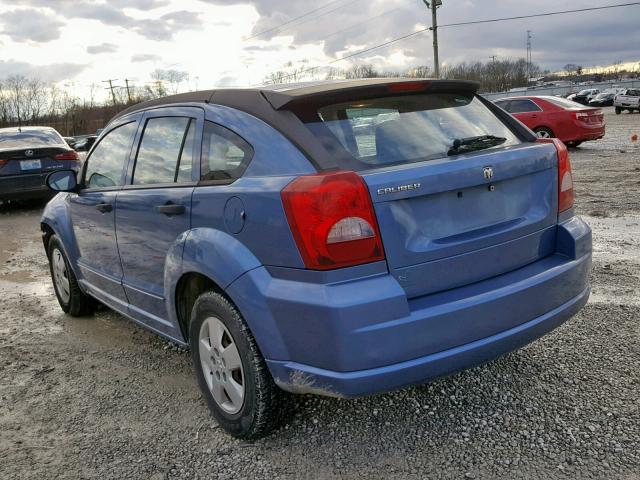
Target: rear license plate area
x,y
30,165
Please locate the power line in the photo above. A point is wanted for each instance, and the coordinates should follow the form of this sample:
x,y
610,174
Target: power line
x,y
293,20
357,24
474,22
315,17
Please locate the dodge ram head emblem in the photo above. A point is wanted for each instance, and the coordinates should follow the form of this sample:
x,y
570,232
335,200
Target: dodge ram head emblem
x,y
488,173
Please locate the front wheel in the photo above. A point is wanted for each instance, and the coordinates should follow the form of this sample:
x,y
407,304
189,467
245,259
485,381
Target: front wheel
x,y
71,298
231,372
573,144
544,132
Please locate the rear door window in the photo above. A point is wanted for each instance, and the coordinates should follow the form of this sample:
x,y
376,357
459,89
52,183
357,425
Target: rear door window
x,y
410,128
166,151
503,104
104,168
523,106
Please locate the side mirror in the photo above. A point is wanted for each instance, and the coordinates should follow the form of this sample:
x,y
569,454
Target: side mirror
x,y
62,181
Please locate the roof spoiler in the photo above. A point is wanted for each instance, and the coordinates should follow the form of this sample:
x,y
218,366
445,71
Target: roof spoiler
x,y
365,89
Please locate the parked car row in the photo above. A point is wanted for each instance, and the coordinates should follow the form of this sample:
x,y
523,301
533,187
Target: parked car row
x,y
81,143
556,117
335,238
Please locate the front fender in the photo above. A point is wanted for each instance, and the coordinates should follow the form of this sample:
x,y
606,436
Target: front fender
x,y
57,216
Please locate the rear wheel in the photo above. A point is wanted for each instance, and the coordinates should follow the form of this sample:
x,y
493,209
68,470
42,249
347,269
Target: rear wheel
x,y
544,132
71,298
231,372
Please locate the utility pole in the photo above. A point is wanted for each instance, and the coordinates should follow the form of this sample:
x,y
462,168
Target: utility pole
x,y
529,58
111,87
126,81
433,5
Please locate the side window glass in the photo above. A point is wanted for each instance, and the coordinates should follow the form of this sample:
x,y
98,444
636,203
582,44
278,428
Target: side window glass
x,y
107,161
225,155
505,105
522,106
164,155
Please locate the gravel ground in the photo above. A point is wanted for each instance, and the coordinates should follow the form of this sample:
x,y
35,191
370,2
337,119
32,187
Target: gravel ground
x,y
99,397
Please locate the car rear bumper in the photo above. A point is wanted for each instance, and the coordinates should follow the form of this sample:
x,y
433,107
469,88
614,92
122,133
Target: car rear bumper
x,y
583,132
357,337
27,185
298,378
17,187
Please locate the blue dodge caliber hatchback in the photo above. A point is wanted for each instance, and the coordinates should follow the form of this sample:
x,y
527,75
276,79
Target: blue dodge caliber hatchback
x,y
337,238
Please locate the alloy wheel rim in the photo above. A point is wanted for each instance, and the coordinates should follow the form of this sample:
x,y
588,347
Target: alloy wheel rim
x,y
543,134
221,365
60,275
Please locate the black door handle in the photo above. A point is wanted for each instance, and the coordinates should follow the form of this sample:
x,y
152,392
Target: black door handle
x,y
104,207
171,209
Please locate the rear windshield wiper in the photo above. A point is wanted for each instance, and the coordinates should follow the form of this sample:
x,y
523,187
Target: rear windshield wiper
x,y
471,144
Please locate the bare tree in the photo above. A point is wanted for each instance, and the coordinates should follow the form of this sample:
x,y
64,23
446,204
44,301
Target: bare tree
x,y
362,71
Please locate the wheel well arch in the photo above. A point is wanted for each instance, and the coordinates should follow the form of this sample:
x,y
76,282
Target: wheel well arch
x,y
47,233
189,287
546,127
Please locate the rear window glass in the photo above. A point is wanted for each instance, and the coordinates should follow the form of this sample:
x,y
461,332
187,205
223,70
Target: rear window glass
x,y
633,93
30,139
405,129
563,102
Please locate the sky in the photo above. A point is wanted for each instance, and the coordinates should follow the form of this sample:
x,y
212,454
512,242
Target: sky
x,y
79,43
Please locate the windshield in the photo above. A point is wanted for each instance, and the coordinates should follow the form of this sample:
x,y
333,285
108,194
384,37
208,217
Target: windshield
x,y
30,139
585,92
404,129
601,96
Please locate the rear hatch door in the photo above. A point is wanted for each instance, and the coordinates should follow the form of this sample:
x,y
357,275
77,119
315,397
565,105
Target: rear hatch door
x,y
448,223
461,191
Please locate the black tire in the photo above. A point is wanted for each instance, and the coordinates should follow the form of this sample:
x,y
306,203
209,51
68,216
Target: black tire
x,y
264,403
573,144
618,110
544,132
79,303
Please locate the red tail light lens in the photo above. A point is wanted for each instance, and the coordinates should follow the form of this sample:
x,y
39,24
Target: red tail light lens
x,y
565,178
332,220
3,162
71,155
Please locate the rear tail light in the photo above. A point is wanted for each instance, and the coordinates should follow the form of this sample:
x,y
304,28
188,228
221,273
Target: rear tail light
x,y
580,115
565,178
3,162
71,155
332,220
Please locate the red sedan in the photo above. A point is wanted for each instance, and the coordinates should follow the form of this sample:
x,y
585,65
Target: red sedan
x,y
556,117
